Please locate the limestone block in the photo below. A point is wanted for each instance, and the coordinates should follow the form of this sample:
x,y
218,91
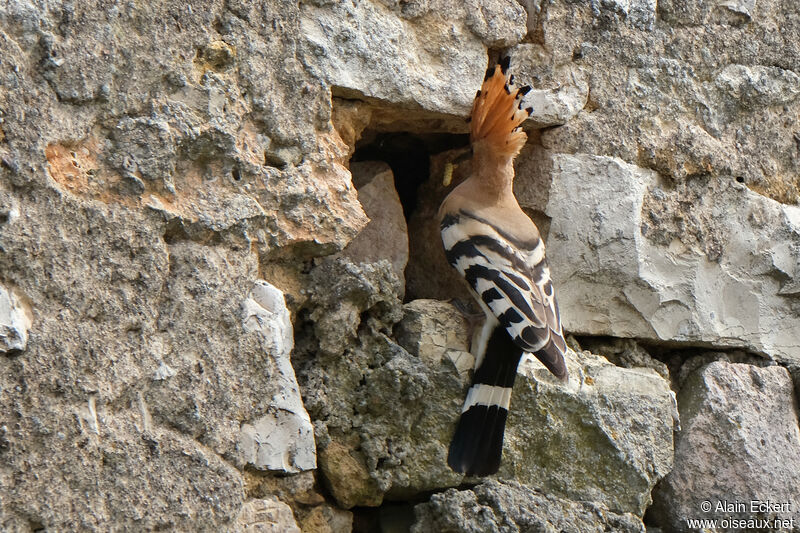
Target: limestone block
x,y
508,506
605,437
385,415
629,261
283,439
386,234
739,443
365,48
433,329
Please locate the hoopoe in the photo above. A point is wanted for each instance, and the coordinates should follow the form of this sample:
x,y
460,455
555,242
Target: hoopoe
x,y
490,241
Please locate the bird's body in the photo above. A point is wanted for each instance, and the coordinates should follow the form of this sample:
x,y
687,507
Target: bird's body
x,y
490,241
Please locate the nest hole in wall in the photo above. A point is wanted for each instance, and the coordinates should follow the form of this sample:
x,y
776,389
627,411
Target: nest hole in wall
x,y
420,149
428,155
409,157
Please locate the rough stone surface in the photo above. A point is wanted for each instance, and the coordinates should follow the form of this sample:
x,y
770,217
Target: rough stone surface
x,y
609,430
740,442
626,353
159,161
428,54
152,160
555,99
632,262
283,439
385,433
510,507
695,13
312,511
386,234
660,100
267,516
327,519
119,473
434,330
382,415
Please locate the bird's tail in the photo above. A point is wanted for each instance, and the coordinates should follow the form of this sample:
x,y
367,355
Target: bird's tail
x,y
497,112
477,444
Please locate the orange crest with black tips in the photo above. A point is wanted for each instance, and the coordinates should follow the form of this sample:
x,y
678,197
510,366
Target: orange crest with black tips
x,y
497,112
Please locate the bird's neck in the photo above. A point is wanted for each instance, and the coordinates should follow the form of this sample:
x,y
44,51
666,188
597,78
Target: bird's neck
x,y
492,174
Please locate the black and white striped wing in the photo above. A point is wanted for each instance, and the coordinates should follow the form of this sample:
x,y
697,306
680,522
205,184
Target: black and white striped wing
x,y
510,279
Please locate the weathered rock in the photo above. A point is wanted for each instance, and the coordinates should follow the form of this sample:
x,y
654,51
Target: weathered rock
x,y
166,391
555,107
605,437
386,234
327,519
626,353
631,262
284,438
126,477
382,415
687,367
157,161
655,101
15,322
498,23
347,475
267,516
417,54
739,443
557,98
312,510
434,330
300,491
385,431
758,87
499,506
189,145
342,292
694,12
151,162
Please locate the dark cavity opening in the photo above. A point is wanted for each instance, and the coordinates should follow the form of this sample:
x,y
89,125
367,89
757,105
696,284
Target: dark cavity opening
x,y
408,155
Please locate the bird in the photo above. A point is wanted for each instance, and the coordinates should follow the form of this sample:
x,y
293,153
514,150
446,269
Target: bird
x,y
498,250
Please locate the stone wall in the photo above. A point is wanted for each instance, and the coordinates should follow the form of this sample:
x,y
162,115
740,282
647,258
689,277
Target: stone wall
x,y
205,319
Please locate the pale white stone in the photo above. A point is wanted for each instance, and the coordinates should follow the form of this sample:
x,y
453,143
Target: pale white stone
x,y
15,321
366,48
282,439
463,361
744,7
87,416
612,280
144,412
265,311
554,107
